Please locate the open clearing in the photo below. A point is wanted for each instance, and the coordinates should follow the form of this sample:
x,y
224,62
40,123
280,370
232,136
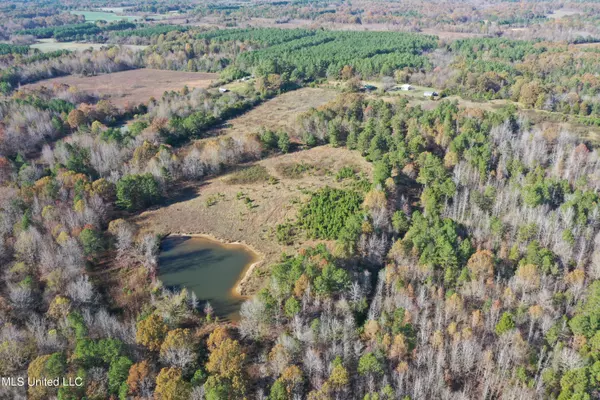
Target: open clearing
x,y
232,218
134,86
48,45
564,12
93,16
280,112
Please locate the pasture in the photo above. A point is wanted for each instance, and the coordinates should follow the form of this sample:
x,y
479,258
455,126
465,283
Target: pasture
x,y
93,16
134,86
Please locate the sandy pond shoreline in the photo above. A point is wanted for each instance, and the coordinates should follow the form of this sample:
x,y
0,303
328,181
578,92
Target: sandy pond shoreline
x,y
258,258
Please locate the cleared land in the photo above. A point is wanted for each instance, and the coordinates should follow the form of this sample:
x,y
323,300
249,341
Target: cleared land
x,y
93,16
249,213
134,86
280,112
48,45
111,14
564,12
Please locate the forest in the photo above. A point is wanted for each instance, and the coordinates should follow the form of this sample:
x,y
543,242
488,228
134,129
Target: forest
x,y
459,259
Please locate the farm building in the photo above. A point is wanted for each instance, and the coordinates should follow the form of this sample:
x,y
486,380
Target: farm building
x,y
406,87
430,94
223,90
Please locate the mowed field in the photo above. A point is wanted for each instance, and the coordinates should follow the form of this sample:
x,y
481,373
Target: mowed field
x,y
280,112
134,86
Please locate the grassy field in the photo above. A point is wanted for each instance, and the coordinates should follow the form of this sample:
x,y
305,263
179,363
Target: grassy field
x,y
93,16
238,86
48,45
111,14
563,12
135,86
249,212
280,112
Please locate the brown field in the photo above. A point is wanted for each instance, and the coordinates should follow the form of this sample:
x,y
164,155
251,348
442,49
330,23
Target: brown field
x,y
590,45
278,113
564,12
134,86
230,219
448,35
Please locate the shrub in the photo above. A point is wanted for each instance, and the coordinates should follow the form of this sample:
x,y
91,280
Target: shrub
x,y
283,142
285,233
293,170
345,173
254,174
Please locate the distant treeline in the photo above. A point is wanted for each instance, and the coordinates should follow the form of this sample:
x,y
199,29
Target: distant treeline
x,y
76,31
13,49
151,31
58,32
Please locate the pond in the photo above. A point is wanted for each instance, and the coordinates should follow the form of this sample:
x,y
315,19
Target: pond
x,y
209,268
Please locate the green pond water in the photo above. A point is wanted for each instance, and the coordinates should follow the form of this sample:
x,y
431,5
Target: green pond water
x,y
209,268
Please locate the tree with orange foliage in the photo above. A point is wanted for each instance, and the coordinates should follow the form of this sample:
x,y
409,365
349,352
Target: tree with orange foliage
x,y
76,118
151,332
140,380
171,386
347,72
481,265
226,366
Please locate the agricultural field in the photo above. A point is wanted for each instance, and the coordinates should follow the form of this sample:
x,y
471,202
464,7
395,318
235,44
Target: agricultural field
x,y
134,86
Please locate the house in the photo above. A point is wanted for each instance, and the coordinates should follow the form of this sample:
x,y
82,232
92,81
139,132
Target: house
x,y
430,94
223,90
406,87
